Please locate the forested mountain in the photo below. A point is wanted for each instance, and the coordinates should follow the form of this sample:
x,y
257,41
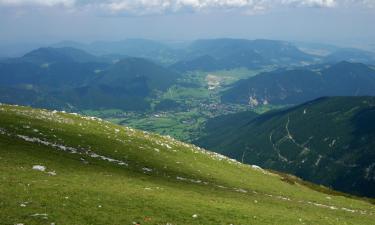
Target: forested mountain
x,y
143,48
295,86
327,141
233,53
67,77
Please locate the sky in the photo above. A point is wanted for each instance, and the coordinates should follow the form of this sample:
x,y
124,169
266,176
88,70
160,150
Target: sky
x,y
328,21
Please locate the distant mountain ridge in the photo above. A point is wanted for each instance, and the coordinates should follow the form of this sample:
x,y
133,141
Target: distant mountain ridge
x,y
66,76
140,68
141,48
351,55
295,86
233,53
50,55
51,68
224,53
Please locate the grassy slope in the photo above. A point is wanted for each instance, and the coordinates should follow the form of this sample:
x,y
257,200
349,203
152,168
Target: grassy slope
x,y
88,190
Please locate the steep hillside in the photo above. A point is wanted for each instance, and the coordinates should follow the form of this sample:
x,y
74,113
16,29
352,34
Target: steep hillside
x,y
59,168
329,141
295,86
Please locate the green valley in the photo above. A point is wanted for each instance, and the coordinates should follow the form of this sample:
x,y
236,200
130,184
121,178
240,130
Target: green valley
x,y
182,110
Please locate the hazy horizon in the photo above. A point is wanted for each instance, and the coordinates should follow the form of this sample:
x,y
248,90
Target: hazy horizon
x,y
340,22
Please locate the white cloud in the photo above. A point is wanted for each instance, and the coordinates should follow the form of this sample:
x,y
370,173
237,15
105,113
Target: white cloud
x,y
162,6
144,7
46,3
154,6
369,3
312,3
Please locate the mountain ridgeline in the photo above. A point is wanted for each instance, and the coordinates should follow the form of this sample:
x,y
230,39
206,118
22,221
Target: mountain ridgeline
x,y
295,86
67,77
328,141
219,54
351,55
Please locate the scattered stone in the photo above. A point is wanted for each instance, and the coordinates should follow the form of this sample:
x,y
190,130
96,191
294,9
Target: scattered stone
x,y
43,215
39,168
145,169
52,173
256,167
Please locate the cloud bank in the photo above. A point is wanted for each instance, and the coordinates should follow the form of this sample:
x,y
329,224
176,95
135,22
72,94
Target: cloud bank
x,y
33,3
146,7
